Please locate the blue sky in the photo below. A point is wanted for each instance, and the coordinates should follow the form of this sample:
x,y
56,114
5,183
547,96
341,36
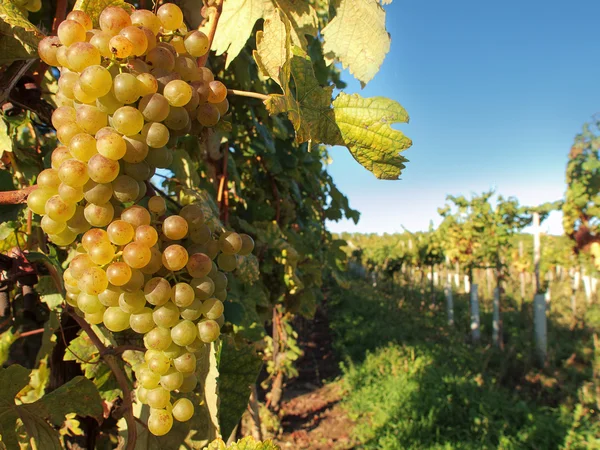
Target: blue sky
x,y
496,92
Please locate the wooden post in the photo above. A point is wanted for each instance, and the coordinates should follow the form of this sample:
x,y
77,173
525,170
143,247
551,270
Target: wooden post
x,y
496,333
449,303
457,274
475,323
488,279
540,327
522,274
537,250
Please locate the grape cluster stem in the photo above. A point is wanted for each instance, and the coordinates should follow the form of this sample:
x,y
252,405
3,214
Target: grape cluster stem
x,y
211,33
108,355
16,197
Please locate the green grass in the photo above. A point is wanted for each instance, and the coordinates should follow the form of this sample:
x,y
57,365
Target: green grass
x,y
412,382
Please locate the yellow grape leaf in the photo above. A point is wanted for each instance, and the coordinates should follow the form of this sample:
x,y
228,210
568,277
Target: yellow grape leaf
x,y
19,38
303,19
357,38
93,8
273,45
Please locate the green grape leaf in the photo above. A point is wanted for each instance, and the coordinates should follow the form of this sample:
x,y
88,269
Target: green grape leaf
x,y
6,142
78,396
6,340
236,23
247,443
307,104
48,337
273,45
19,38
302,17
365,127
93,8
184,169
48,292
357,38
238,370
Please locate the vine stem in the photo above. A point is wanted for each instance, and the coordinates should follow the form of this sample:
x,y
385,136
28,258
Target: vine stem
x,y
16,197
212,31
257,95
107,354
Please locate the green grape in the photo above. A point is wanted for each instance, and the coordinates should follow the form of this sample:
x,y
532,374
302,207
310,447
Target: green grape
x,y
81,55
203,287
155,263
47,50
158,397
177,43
186,67
89,303
189,384
81,96
166,315
137,38
228,263
58,210
208,115
148,84
79,263
182,295
193,311
230,243
101,41
51,226
73,173
184,333
135,283
108,104
196,43
171,380
91,119
192,105
113,19
66,84
174,257
111,146
208,331
157,291
170,16
48,179
154,107
120,232
160,421
178,118
82,18
118,273
174,351
158,339
183,410
78,223
70,31
128,120
132,302
146,19
200,234
125,188
93,281
142,322
177,93
110,296
61,56
212,308
99,215
155,134
96,81
157,205
247,245
59,156
115,319
66,132
221,295
63,115
70,194
211,248
142,395
126,88
70,279
94,237
145,377
160,157
163,77
222,107
82,147
160,58
95,318
136,216
138,171
136,255
146,235
102,254
203,90
120,46
136,66
175,228
136,149
217,92
169,47
97,192
158,362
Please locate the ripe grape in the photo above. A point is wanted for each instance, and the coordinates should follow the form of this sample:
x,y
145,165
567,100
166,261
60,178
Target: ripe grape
x,y
70,31
158,361
196,43
47,49
136,255
137,38
158,339
99,215
171,380
203,287
146,19
183,410
208,115
118,273
166,315
155,134
93,281
157,291
212,308
247,245
154,107
189,383
82,18
208,331
170,16
157,205
132,302
174,257
113,19
81,55
177,92
230,243
160,421
184,333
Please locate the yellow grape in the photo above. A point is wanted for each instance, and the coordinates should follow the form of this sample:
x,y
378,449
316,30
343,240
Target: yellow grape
x,y
120,232
70,31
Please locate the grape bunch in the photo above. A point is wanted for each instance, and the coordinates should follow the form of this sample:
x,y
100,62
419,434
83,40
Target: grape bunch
x,y
127,92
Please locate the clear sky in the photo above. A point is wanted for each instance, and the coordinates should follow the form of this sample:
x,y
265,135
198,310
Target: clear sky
x,y
496,92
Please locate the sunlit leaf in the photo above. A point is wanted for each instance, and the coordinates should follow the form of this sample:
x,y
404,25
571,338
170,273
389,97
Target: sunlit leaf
x,y
93,8
19,38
